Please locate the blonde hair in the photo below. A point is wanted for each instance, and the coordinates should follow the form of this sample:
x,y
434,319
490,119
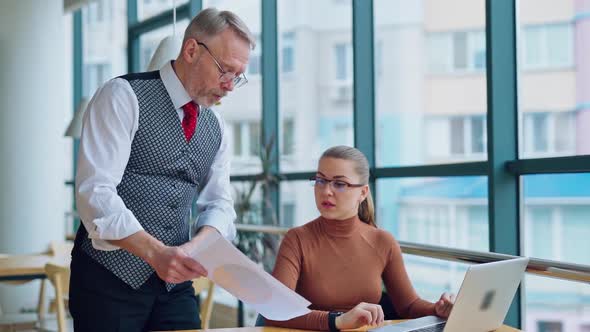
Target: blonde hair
x,y
209,22
366,211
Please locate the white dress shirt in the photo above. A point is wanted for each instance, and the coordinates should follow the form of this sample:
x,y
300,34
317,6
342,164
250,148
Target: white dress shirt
x,y
110,123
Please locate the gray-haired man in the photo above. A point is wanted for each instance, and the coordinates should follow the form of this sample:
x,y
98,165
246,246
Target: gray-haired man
x,y
149,146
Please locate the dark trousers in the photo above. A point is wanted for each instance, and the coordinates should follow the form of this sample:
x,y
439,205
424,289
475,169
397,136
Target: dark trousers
x,y
99,301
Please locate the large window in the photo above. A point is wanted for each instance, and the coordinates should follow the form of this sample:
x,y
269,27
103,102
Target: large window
x,y
105,47
316,104
243,107
450,212
436,159
431,89
555,207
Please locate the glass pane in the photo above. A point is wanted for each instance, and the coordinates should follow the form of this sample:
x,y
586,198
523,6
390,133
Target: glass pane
x,y
553,82
149,8
315,76
148,42
556,227
242,108
450,212
432,81
104,46
297,203
557,217
556,305
431,277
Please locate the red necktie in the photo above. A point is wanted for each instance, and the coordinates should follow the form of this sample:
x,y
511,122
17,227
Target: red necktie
x,y
189,122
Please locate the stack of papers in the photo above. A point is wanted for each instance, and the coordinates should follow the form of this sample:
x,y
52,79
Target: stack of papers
x,y
236,273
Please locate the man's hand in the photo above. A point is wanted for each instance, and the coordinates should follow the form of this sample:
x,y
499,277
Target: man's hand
x,y
362,314
173,264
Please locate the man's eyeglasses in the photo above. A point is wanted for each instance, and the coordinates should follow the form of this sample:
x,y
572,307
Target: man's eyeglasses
x,y
336,185
226,77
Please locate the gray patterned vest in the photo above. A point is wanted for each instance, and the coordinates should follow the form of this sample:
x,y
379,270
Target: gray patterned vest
x,y
161,179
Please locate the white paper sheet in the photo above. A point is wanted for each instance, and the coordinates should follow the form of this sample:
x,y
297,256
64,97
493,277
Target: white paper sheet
x,y
236,273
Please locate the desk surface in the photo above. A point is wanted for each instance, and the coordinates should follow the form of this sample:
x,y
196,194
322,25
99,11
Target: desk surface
x,y
26,267
278,329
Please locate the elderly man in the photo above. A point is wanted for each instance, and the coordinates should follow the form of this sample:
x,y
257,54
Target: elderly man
x,y
150,145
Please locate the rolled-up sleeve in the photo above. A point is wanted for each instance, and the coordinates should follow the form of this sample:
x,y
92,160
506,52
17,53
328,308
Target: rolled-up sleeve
x,y
215,204
109,126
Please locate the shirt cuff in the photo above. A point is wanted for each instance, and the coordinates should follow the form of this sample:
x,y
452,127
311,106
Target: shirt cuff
x,y
99,244
115,227
218,220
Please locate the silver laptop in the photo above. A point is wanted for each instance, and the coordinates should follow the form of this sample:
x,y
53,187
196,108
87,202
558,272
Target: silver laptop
x,y
481,305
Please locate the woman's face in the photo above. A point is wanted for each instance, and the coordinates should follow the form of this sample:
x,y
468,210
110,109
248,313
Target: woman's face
x,y
335,198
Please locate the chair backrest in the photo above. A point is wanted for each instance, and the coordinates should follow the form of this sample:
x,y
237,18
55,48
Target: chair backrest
x,y
206,307
59,276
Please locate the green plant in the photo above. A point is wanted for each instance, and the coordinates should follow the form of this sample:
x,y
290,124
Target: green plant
x,y
259,247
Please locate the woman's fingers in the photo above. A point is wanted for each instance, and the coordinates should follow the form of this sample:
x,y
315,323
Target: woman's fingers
x,y
376,311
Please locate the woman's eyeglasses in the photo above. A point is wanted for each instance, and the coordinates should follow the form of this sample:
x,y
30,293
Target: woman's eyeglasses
x,y
336,185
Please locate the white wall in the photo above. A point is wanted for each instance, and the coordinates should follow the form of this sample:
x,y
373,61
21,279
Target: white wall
x,y
35,107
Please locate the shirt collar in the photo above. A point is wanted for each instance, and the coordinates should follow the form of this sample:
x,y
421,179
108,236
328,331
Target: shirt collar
x,y
174,86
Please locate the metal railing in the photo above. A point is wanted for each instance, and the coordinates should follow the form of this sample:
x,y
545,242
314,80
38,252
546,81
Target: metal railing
x,y
543,267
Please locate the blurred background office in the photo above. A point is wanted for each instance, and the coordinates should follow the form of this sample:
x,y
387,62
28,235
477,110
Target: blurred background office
x,y
475,116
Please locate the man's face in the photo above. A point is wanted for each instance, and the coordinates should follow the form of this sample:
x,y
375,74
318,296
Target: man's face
x,y
203,81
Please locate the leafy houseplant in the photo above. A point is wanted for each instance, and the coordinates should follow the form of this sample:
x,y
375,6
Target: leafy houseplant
x,y
259,247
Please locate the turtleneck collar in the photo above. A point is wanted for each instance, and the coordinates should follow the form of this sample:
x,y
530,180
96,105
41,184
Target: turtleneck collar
x,y
340,228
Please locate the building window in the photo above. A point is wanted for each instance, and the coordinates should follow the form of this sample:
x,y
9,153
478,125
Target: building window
x,y
237,139
246,139
95,75
544,326
254,139
288,52
288,137
547,46
457,136
456,52
99,12
549,133
379,58
343,61
255,56
539,221
288,215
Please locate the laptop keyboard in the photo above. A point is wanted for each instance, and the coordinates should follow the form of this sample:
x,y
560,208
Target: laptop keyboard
x,y
433,328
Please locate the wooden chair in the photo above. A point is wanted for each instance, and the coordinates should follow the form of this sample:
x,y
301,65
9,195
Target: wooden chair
x,y
22,321
59,276
206,307
57,249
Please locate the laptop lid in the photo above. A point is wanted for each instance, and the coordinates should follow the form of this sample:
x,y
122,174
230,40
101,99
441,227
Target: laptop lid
x,y
485,295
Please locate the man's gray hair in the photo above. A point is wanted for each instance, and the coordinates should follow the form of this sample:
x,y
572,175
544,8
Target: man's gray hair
x,y
209,22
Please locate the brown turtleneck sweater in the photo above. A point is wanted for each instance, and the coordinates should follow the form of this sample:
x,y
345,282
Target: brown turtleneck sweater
x,y
336,264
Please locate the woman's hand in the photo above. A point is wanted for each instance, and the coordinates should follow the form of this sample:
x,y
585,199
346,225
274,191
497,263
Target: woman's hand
x,y
442,307
362,314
